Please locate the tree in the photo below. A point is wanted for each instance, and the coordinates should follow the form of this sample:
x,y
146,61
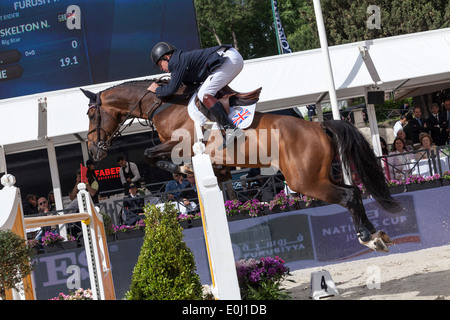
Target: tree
x,y
249,25
345,20
246,24
165,269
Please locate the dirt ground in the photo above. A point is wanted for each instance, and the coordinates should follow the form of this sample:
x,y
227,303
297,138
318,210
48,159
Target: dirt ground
x,y
418,275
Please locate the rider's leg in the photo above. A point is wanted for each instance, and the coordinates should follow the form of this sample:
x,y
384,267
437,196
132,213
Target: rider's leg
x,y
221,77
219,115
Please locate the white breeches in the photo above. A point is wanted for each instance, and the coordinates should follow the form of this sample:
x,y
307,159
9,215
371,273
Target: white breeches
x,y
224,74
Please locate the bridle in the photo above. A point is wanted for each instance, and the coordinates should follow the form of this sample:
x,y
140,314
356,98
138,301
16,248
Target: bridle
x,y
104,145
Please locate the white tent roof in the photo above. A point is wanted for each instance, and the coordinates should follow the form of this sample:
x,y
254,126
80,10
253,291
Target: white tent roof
x,y
413,63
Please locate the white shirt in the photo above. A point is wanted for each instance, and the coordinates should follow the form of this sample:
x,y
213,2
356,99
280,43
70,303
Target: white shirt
x,y
397,127
134,169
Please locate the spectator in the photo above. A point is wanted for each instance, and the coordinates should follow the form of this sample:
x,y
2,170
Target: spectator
x,y
418,125
73,193
399,124
384,160
190,194
177,183
407,128
447,108
405,108
223,174
400,160
129,173
132,206
31,205
384,148
437,124
408,143
51,201
188,207
426,143
43,208
311,111
92,186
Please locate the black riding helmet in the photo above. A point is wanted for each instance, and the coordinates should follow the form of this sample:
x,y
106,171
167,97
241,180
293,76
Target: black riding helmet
x,y
161,49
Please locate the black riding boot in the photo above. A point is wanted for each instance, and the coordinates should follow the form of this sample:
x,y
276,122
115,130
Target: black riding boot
x,y
231,130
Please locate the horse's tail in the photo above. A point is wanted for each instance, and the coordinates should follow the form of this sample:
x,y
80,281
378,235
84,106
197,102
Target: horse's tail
x,y
353,147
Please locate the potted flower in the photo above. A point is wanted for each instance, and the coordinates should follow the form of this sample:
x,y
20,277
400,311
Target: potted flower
x,y
52,242
446,178
253,208
261,279
418,182
396,186
190,220
279,203
80,294
282,202
128,232
233,207
33,244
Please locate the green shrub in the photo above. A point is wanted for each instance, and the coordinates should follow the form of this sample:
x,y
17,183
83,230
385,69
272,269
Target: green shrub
x,y
15,264
165,269
107,224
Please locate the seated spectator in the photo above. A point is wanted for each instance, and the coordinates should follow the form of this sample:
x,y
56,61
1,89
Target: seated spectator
x,y
426,143
408,143
132,206
188,207
400,162
190,194
177,183
31,205
43,208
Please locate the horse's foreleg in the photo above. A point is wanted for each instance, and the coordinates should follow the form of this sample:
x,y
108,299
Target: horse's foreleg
x,y
158,155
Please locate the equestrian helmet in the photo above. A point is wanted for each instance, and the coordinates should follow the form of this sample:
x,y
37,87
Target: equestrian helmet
x,y
161,49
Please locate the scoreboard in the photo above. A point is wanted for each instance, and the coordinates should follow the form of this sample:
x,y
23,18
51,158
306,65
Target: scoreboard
x,y
48,45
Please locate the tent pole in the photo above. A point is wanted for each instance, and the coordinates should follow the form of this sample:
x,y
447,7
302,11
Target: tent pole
x,y
326,58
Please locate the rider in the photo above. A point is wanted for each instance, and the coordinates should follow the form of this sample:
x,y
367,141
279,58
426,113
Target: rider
x,y
214,67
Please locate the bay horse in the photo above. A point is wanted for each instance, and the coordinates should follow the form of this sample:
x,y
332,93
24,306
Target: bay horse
x,y
305,149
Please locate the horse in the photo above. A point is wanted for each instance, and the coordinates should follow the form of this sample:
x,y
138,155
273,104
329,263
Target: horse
x,y
305,149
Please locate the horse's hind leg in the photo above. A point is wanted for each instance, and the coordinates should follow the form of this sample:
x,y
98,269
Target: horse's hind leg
x,y
350,198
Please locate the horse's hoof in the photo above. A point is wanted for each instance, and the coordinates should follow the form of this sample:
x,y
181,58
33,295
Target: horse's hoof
x,y
383,236
378,242
168,166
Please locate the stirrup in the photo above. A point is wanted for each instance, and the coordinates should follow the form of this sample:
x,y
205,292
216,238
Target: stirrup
x,y
229,138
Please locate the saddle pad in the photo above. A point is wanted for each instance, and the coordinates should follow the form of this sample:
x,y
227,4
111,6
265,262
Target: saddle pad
x,y
242,116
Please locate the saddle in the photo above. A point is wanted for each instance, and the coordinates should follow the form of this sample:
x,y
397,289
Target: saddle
x,y
229,97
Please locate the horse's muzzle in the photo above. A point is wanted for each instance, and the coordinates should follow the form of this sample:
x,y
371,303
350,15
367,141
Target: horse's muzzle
x,y
97,152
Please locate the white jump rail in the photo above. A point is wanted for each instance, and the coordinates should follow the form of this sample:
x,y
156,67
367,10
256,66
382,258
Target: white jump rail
x,y
99,266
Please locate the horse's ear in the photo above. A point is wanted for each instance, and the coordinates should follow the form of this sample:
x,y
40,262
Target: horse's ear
x,y
92,96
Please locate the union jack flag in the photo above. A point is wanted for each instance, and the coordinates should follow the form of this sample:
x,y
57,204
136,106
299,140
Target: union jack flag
x,y
241,116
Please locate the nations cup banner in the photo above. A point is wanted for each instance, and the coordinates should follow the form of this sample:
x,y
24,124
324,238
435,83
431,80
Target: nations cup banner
x,y
284,43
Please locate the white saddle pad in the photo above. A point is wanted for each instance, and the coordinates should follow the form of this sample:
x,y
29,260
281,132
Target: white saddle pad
x,y
242,116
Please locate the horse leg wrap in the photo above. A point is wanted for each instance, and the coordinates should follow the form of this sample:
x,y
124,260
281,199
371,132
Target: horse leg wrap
x,y
364,234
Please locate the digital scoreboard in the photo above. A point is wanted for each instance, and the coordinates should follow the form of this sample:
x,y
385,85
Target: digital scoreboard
x,y
48,45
